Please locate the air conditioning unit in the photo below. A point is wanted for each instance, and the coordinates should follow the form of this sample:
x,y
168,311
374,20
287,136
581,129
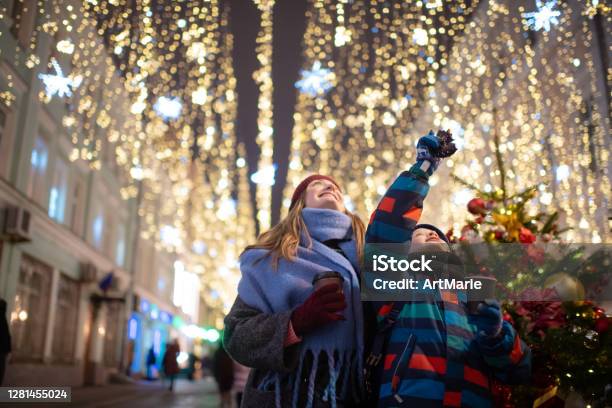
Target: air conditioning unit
x,y
89,273
17,222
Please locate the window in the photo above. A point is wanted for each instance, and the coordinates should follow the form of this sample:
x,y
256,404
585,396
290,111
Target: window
x,y
146,271
29,318
120,250
2,125
108,234
37,188
4,143
97,226
77,205
65,330
59,190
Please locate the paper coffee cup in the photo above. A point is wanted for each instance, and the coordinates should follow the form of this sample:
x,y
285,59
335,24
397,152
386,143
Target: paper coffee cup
x,y
327,278
477,296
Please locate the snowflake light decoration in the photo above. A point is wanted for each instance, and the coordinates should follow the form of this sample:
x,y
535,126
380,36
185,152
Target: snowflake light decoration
x,y
168,108
58,83
315,81
543,17
265,176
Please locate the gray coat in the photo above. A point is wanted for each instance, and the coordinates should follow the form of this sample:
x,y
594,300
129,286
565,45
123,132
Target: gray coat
x,y
256,339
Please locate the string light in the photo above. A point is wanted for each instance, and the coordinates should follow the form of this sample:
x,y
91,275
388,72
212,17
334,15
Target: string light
x,y
379,78
473,67
136,62
265,130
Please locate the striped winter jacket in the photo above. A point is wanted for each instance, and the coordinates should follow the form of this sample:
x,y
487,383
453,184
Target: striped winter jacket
x,y
433,356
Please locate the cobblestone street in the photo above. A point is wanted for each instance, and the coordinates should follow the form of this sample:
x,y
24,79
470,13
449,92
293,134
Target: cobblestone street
x,y
201,394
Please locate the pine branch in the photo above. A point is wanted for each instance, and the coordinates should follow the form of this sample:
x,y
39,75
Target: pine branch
x,y
498,157
549,223
471,186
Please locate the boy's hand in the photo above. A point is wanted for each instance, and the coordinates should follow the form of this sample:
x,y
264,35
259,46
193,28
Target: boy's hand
x,y
488,319
435,147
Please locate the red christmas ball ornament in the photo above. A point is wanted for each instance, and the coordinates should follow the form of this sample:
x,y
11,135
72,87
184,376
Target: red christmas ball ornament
x,y
508,318
526,236
477,206
602,325
479,219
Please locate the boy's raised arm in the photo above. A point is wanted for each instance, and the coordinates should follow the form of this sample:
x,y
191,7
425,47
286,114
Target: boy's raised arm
x,y
399,210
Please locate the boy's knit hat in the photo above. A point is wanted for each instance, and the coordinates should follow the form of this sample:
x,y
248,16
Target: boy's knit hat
x,y
304,184
435,229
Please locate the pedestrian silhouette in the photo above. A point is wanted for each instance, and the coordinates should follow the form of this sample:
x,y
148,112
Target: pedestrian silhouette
x,y
5,339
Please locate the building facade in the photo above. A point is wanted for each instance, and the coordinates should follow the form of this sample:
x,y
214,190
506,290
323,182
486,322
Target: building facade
x,y
76,287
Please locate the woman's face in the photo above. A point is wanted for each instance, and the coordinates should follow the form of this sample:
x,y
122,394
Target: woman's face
x,y
323,194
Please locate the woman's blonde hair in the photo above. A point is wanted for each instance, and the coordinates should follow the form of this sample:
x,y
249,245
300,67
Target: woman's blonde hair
x,y
282,240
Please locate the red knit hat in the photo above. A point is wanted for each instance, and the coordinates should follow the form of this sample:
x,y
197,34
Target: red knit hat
x,y
304,184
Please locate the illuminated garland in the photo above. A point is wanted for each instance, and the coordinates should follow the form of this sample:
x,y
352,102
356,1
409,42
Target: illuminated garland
x,y
407,67
156,95
264,176
535,97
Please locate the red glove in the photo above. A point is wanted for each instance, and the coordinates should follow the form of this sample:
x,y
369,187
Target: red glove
x,y
320,308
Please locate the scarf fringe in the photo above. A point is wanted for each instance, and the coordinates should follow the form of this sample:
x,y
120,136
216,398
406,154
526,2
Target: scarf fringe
x,y
296,383
340,365
277,395
265,383
347,375
311,380
333,373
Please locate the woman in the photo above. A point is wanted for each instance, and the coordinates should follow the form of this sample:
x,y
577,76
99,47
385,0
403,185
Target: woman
x,y
305,346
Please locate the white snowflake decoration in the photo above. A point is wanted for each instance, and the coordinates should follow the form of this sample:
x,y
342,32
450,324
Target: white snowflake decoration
x,y
543,17
168,108
315,81
58,83
265,176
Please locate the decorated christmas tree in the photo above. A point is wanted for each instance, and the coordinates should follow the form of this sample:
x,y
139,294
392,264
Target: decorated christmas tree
x,y
548,287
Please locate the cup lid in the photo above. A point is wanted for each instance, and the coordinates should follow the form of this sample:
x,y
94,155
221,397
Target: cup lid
x,y
326,275
482,277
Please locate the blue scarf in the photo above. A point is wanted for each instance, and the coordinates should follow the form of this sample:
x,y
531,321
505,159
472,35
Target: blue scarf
x,y
279,290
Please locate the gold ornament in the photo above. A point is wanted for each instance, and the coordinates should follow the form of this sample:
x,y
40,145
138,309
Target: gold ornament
x,y
567,287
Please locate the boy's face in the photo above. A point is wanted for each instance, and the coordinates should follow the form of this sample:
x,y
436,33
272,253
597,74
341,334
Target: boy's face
x,y
426,240
323,194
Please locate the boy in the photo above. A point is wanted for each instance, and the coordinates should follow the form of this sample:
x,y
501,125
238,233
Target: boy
x,y
430,352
